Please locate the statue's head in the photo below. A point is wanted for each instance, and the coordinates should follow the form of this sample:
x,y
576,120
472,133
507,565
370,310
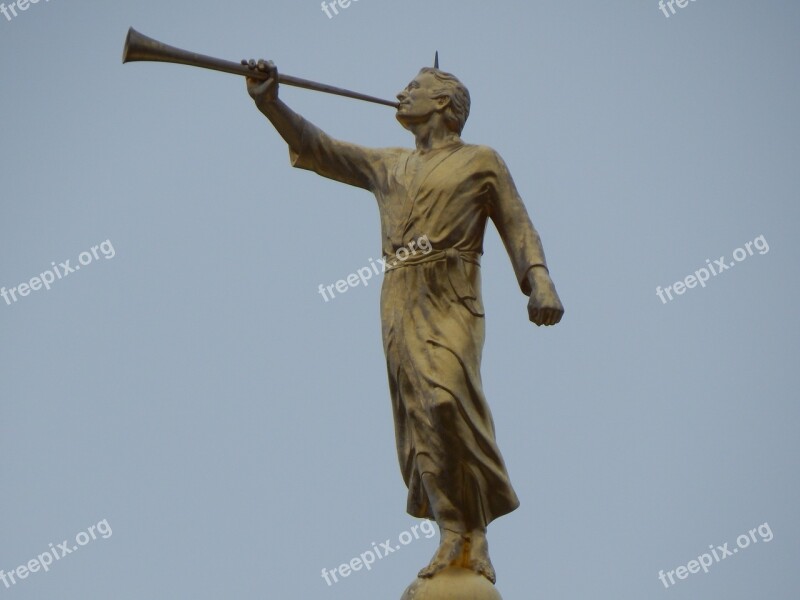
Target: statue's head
x,y
430,93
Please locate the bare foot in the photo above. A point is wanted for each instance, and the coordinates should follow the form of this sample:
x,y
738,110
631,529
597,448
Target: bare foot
x,y
450,550
479,556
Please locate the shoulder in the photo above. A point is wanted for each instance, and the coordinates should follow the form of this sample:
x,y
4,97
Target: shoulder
x,y
483,153
391,154
396,151
485,158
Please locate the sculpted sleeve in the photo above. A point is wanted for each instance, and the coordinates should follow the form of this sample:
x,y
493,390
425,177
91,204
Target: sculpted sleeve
x,y
509,215
342,161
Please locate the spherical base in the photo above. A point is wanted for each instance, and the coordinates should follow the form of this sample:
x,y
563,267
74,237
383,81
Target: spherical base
x,y
453,583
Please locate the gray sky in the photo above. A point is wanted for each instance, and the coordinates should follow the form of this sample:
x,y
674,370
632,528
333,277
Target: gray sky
x,y
234,429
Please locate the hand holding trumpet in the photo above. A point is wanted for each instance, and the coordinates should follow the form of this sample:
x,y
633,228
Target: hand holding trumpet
x,y
262,91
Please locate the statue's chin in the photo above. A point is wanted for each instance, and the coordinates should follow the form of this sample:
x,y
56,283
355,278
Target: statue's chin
x,y
404,120
409,121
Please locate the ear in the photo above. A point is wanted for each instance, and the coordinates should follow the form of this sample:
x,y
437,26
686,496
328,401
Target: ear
x,y
443,101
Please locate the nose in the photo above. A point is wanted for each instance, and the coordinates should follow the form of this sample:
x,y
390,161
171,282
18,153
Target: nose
x,y
402,96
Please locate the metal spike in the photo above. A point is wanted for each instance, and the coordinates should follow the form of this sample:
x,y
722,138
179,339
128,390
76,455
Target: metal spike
x,y
436,60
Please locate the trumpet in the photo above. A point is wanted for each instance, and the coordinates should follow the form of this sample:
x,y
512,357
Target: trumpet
x,y
139,47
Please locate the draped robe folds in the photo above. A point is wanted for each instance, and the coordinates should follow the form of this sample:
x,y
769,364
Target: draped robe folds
x,y
431,308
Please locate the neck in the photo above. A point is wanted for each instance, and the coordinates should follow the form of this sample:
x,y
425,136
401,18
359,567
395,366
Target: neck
x,y
430,137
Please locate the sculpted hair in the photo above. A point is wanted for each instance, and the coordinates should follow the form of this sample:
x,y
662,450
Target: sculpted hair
x,y
456,116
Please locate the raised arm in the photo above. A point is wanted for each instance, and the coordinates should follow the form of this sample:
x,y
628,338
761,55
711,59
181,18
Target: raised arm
x,y
311,148
265,94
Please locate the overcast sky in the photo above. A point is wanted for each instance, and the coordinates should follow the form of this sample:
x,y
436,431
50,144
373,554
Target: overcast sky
x,y
191,389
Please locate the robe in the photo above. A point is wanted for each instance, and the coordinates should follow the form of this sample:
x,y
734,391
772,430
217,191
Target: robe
x,y
431,308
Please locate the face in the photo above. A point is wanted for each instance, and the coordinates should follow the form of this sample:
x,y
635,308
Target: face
x,y
417,103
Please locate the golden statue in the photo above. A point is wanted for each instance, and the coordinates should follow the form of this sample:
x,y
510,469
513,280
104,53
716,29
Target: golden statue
x,y
431,309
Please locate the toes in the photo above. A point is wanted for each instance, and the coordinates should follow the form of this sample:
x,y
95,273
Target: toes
x,y
425,573
489,574
437,565
429,571
485,568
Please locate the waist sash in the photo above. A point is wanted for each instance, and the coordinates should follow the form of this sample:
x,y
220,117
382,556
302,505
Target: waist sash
x,y
455,272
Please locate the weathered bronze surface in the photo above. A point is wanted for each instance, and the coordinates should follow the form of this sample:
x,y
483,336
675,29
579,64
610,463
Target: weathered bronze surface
x,y
432,314
431,309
